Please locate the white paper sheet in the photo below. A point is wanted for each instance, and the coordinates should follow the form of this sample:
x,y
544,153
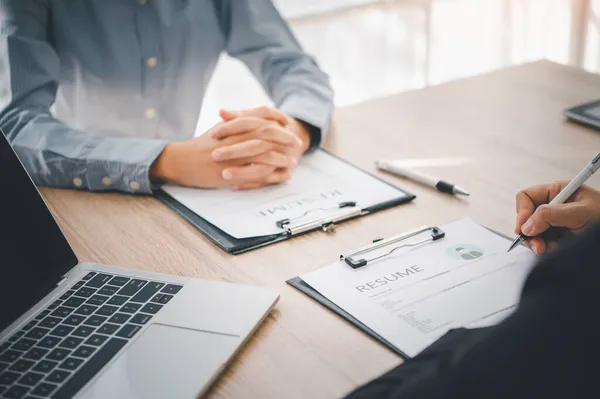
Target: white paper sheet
x,y
414,296
319,184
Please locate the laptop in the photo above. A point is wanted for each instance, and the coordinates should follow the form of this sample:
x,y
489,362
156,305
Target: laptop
x,y
83,330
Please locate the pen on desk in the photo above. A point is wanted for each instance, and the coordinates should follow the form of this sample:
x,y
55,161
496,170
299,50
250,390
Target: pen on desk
x,y
438,184
568,191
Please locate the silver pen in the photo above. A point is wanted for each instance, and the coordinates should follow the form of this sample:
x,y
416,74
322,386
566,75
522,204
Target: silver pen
x,y
568,191
422,178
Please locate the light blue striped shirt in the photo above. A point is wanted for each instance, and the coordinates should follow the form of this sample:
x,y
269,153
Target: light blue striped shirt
x,y
92,90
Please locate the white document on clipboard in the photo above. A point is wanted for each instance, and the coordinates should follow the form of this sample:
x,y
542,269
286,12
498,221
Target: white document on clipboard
x,y
320,183
414,295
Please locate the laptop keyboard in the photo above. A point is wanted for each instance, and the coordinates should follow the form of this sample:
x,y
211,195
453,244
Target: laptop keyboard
x,y
57,353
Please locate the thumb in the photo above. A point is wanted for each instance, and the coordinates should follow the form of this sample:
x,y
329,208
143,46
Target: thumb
x,y
571,216
228,115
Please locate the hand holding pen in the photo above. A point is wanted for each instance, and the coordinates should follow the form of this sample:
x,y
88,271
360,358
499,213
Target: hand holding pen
x,y
568,207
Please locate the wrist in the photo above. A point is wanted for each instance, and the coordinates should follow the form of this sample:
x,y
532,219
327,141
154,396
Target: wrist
x,y
302,132
164,168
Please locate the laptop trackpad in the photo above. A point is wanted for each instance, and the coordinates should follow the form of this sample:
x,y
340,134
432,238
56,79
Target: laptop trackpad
x,y
165,362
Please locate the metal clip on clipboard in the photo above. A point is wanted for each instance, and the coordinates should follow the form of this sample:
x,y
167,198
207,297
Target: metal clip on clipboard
x,y
349,258
344,211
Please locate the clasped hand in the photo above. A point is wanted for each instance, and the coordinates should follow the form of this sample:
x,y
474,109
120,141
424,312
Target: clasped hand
x,y
248,149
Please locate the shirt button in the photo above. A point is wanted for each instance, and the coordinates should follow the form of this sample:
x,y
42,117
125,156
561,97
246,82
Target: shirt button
x,y
107,181
77,182
151,62
150,113
135,186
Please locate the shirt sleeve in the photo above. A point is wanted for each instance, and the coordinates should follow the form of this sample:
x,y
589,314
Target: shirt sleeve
x,y
257,35
53,153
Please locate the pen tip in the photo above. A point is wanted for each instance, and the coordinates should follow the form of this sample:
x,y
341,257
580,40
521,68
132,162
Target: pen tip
x,y
514,244
461,191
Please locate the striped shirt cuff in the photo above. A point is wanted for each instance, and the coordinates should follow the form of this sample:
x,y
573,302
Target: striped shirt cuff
x,y
120,164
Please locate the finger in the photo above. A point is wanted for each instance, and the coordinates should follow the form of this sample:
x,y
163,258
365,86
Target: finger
x,y
529,199
537,244
525,208
279,135
252,186
236,126
275,159
253,173
279,176
572,215
245,149
228,115
269,113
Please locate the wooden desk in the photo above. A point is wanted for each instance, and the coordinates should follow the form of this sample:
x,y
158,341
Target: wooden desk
x,y
507,125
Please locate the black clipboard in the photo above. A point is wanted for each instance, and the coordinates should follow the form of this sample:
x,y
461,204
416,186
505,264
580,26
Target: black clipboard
x,y
306,289
235,246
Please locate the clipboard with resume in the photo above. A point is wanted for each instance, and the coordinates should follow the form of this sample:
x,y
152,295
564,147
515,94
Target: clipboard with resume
x,y
324,192
407,291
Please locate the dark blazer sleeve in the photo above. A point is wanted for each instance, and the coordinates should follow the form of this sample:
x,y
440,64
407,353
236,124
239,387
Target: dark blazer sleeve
x,y
548,348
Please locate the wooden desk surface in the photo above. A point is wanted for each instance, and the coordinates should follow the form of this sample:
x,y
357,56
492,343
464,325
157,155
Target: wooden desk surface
x,y
507,126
